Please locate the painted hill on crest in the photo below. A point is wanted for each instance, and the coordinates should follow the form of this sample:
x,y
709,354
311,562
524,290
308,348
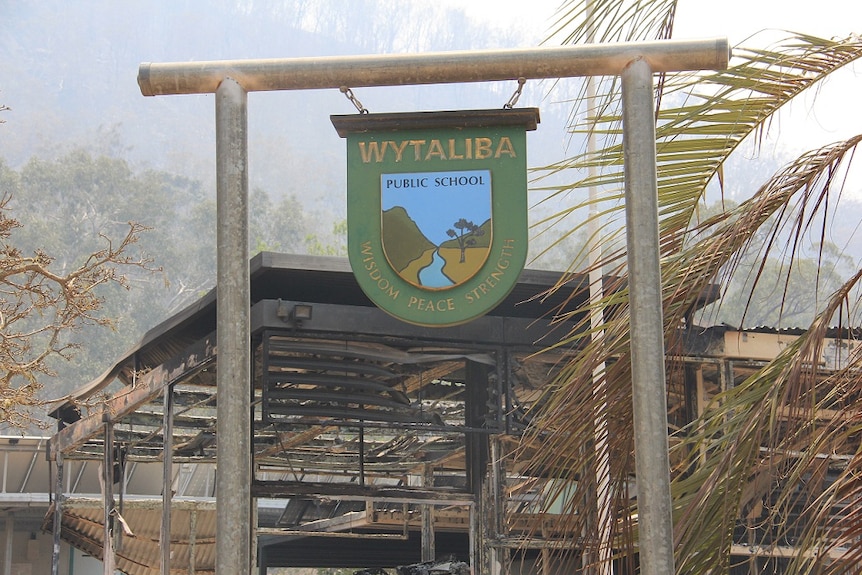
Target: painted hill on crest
x,y
403,241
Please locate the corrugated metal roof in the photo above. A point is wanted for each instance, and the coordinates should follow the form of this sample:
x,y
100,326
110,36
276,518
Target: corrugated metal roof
x,y
137,550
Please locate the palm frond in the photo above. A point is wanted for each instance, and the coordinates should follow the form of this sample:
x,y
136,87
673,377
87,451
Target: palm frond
x,y
709,117
726,460
580,21
567,419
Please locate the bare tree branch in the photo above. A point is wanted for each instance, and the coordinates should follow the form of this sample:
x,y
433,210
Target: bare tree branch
x,y
41,308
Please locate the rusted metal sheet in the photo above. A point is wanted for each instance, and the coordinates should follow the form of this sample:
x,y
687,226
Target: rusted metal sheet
x,y
149,386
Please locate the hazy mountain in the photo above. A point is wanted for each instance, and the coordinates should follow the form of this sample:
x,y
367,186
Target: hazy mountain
x,y
69,75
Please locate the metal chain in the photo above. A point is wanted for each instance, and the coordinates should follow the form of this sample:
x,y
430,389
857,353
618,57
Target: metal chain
x,y
514,99
349,93
507,106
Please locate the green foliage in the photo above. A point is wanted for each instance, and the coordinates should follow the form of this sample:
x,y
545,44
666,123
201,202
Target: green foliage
x,y
335,245
276,226
766,288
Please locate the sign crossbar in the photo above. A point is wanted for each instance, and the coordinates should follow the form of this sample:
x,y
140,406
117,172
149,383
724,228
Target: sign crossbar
x,y
160,79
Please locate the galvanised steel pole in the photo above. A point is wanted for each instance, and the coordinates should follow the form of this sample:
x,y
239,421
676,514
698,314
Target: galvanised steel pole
x,y
652,463
157,79
167,478
58,516
108,559
233,376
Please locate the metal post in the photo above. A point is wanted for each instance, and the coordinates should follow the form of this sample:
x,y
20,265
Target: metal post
x,y
497,507
58,514
473,536
428,544
108,479
233,380
647,326
10,535
477,453
167,479
122,498
193,538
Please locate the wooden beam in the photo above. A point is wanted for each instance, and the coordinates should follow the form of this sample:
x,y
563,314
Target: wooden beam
x,y
415,382
354,492
270,532
786,551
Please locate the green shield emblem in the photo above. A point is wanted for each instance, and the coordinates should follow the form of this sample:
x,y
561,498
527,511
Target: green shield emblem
x,y
437,210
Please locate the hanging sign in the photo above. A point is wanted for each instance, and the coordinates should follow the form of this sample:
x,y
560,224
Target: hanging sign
x,y
437,209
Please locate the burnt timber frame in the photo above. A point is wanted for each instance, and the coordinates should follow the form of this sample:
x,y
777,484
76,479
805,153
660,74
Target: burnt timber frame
x,y
474,363
376,516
